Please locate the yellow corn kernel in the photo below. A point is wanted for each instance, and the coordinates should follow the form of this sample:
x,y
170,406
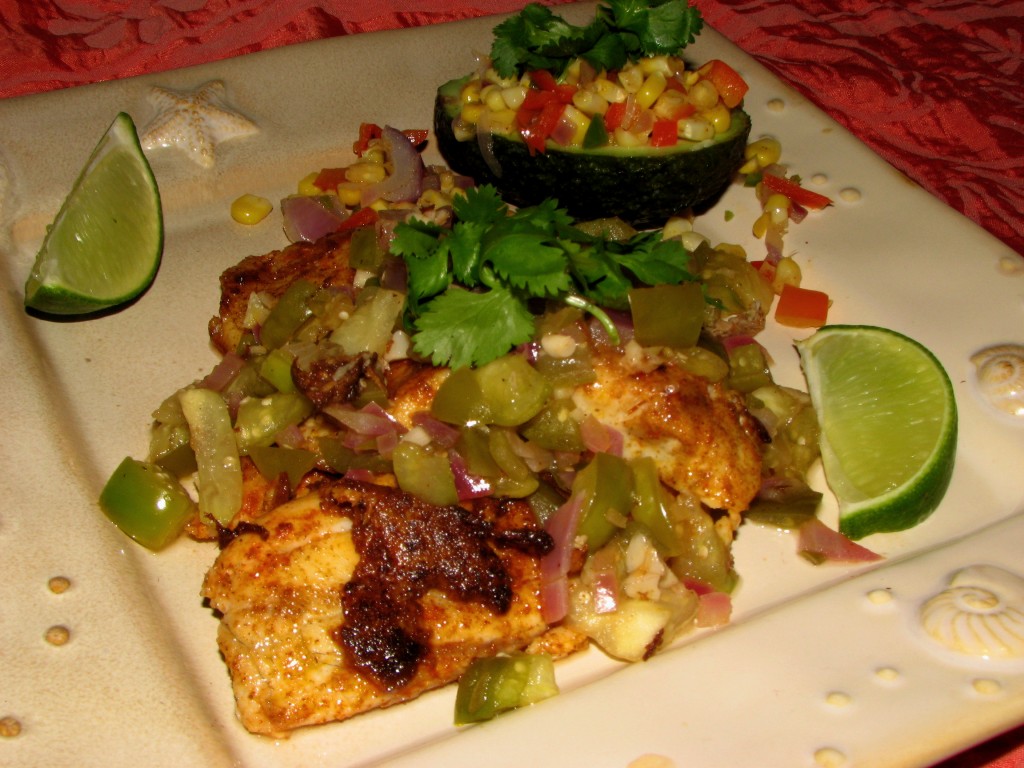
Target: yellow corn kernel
x,y
695,129
514,96
719,116
668,104
471,113
350,197
652,88
750,166
624,138
365,173
589,103
654,64
580,123
777,208
492,98
675,227
433,198
307,187
765,151
703,94
787,272
462,130
611,92
250,209
470,93
760,227
631,79
375,154
501,120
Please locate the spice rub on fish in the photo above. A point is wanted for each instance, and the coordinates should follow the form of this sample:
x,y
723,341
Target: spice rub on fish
x,y
358,596
324,263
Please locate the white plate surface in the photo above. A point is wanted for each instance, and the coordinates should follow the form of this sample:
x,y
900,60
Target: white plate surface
x,y
815,669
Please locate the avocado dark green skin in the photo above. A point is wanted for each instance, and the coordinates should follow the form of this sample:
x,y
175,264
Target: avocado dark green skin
x,y
644,186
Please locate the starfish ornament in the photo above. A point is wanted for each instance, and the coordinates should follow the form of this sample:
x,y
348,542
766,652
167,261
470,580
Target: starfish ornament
x,y
194,121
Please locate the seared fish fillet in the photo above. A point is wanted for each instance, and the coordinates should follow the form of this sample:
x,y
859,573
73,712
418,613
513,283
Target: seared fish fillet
x,y
357,596
699,433
323,263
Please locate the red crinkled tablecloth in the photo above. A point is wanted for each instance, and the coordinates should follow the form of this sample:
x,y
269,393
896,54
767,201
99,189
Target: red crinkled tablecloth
x,y
936,87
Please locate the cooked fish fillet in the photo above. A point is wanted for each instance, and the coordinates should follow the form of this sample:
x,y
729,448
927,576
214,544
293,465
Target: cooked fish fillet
x,y
699,433
323,263
358,596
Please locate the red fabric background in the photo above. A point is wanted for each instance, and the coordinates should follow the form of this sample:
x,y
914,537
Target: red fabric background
x,y
936,87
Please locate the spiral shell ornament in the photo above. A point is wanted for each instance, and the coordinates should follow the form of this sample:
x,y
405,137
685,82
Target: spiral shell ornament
x,y
980,613
999,374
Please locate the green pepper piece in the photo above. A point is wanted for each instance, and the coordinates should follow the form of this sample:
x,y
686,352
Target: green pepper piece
x,y
748,368
290,312
498,684
667,315
652,506
340,458
365,252
554,428
512,389
545,501
369,327
146,503
459,399
277,369
425,474
259,420
597,133
516,480
607,485
271,461
213,440
705,557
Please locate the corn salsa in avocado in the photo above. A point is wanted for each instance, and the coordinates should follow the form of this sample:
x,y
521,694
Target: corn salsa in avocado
x,y
606,117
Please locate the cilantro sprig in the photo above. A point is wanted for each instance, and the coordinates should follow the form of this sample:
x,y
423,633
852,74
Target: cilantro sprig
x,y
622,31
470,287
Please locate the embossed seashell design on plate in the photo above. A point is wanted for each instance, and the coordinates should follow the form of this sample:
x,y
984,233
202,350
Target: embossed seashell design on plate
x,y
999,375
980,614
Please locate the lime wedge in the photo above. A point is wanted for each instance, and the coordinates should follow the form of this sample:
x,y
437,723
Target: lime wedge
x,y
104,246
888,425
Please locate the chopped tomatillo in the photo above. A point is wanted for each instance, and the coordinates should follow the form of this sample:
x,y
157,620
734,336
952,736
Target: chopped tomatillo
x,y
492,686
146,502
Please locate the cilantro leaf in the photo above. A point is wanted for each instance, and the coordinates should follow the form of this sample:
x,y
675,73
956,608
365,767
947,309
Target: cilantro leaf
x,y
461,327
470,286
622,30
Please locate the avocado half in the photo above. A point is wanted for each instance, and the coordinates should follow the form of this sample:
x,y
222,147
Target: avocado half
x,y
644,186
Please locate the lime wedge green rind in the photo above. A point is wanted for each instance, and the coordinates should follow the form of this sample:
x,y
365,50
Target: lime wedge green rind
x,y
105,244
888,425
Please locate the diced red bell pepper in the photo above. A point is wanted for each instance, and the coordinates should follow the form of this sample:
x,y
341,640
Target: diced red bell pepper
x,y
536,127
731,87
802,307
363,217
329,178
546,82
795,192
664,133
416,136
614,115
367,132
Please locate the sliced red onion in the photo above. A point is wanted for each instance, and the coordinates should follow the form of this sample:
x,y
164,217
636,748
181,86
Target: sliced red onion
x,y
713,609
554,566
441,434
733,342
797,212
819,543
289,437
387,443
370,421
467,486
223,373
485,142
600,438
604,580
308,218
405,183
360,475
